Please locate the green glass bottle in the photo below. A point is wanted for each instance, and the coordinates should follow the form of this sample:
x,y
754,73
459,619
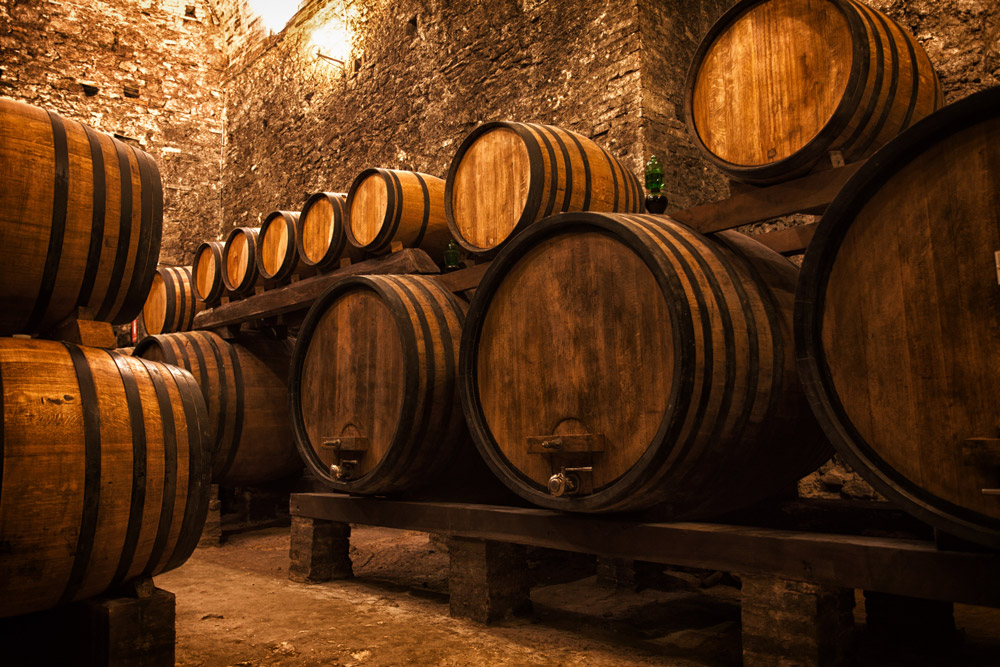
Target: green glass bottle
x,y
656,201
452,257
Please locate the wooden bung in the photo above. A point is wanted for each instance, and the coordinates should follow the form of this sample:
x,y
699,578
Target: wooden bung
x,y
614,362
171,304
105,465
898,315
277,258
321,232
239,261
243,383
506,176
373,385
81,215
387,206
777,86
207,270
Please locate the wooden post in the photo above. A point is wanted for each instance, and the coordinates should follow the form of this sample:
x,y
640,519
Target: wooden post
x,y
792,622
319,550
487,581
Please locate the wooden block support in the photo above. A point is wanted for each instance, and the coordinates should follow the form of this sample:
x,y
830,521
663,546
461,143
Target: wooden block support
x,y
211,534
487,581
790,622
319,550
80,328
913,621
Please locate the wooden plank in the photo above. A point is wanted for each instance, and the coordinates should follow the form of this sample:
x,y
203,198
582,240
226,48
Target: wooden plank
x,y
898,566
809,194
789,241
459,281
302,294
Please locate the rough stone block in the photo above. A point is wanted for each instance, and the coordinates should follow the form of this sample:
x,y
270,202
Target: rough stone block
x,y
319,550
211,534
487,581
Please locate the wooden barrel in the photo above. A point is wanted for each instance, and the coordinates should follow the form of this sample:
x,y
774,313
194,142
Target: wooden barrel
x,y
508,175
898,320
244,384
277,256
239,261
321,232
388,205
615,361
171,304
372,387
776,85
207,270
81,215
104,472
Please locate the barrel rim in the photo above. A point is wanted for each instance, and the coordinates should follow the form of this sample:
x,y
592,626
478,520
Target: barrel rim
x,y
813,150
810,303
215,247
534,199
288,261
250,277
620,490
336,249
380,238
375,480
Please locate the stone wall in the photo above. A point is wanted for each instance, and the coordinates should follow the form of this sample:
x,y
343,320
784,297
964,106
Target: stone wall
x,y
147,71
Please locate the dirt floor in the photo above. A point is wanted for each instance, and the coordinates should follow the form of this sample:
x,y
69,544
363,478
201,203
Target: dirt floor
x,y
236,606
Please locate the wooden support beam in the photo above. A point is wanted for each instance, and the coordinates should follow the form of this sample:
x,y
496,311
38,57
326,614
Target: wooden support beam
x,y
790,241
464,279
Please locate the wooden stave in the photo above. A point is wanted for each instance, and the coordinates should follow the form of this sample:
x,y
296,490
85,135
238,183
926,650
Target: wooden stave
x,y
217,288
290,264
251,278
174,534
339,247
179,297
433,441
637,489
543,182
861,455
850,113
430,233
83,161
228,400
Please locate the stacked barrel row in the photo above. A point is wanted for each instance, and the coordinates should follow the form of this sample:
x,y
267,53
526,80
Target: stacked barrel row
x,y
103,457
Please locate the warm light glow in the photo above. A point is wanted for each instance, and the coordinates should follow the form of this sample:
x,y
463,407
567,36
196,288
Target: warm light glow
x,y
333,40
274,13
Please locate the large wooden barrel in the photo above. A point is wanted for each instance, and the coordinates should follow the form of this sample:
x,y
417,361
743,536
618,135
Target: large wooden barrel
x,y
81,215
239,261
614,361
103,469
776,85
171,304
321,232
244,384
372,387
508,175
898,320
207,270
277,256
388,205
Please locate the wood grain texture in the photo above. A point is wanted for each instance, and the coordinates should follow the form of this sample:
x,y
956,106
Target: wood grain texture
x,y
104,471
239,261
244,386
672,346
207,270
776,85
898,318
386,206
321,234
80,221
375,362
508,175
171,304
277,255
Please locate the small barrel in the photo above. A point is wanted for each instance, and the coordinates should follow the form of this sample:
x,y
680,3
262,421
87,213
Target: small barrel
x,y
171,304
373,385
321,232
897,320
387,205
81,215
614,362
105,471
777,85
506,176
239,261
277,257
244,385
207,270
